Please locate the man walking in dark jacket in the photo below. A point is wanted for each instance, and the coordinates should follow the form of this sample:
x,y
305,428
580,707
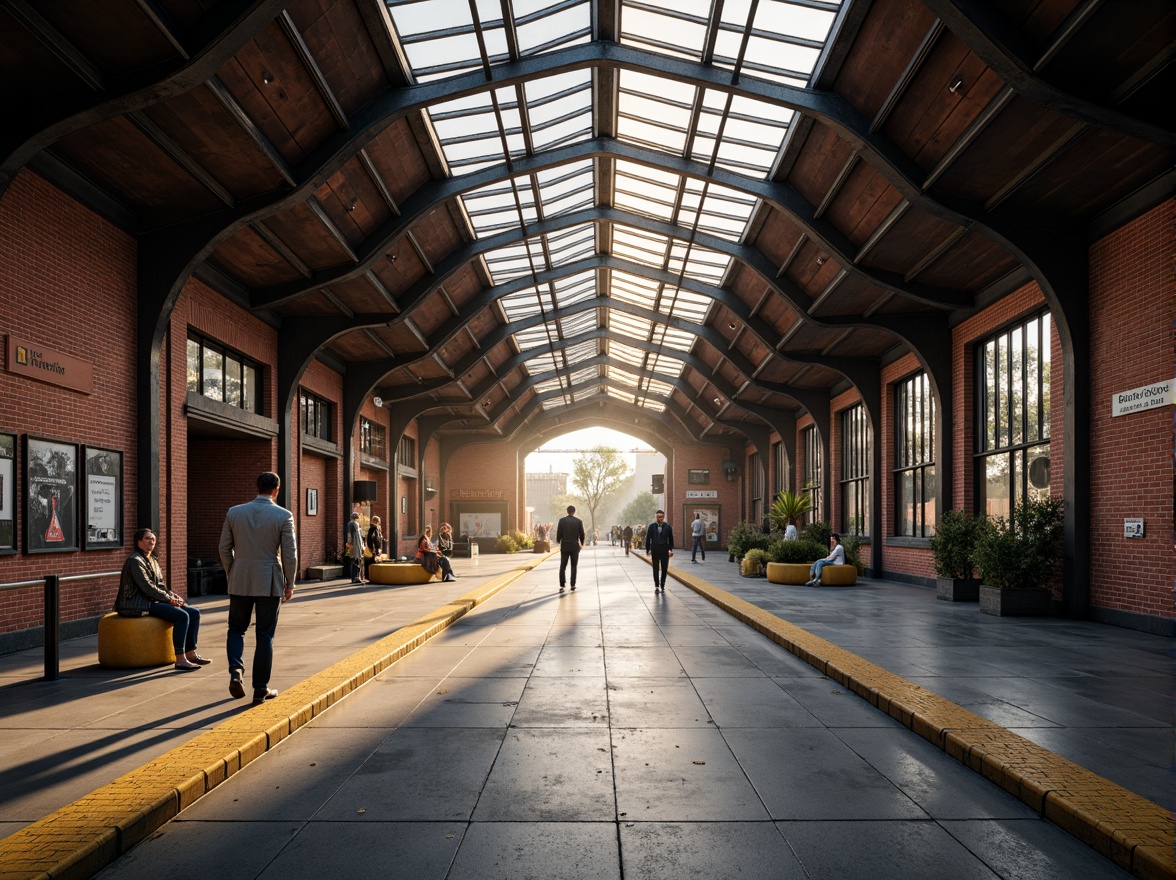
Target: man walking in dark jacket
x,y
569,533
659,544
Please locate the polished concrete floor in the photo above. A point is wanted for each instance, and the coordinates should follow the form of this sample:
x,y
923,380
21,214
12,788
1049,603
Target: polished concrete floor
x,y
610,733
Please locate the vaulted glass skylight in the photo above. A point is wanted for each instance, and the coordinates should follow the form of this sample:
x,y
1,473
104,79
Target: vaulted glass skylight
x,y
626,203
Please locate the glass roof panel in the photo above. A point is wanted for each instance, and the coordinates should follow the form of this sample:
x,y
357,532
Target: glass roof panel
x,y
679,30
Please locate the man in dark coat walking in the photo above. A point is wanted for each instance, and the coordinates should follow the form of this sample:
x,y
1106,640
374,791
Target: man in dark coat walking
x,y
659,544
569,533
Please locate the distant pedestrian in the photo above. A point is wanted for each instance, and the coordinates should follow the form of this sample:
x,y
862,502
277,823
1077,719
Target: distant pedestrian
x,y
353,541
698,533
659,544
627,536
373,546
569,534
260,555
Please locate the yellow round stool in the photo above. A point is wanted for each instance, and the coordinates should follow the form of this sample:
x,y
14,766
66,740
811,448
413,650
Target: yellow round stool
x,y
127,642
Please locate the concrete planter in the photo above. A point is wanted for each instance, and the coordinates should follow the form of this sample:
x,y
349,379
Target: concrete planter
x,y
957,589
1010,603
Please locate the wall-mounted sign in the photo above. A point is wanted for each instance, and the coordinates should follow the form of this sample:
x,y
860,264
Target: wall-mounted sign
x,y
702,493
1140,399
45,365
477,493
1133,528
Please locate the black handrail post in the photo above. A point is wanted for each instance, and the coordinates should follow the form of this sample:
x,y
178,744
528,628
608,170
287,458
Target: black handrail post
x,y
52,627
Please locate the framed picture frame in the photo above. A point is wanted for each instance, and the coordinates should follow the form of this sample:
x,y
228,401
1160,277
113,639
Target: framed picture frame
x,y
709,512
8,472
103,501
312,502
50,495
404,504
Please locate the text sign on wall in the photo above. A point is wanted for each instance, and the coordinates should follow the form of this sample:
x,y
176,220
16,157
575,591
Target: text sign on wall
x,y
37,362
474,494
1140,399
702,493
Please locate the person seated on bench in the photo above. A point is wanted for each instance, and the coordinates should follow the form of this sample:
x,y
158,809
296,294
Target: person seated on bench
x,y
445,540
141,589
431,560
836,557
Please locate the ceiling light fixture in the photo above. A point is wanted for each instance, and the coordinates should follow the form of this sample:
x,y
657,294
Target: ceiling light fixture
x,y
267,77
717,401
956,84
820,261
731,325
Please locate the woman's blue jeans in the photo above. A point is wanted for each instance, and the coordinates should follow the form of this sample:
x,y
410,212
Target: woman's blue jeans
x,y
185,623
815,571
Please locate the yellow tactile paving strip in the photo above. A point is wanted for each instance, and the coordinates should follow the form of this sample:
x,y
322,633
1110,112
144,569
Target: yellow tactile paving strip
x,y
82,838
1135,833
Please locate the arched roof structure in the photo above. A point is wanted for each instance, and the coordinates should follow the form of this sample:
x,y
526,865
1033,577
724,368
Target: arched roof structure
x,y
706,215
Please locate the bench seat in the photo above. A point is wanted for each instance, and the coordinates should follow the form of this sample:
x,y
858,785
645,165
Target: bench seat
x,y
797,574
399,573
130,642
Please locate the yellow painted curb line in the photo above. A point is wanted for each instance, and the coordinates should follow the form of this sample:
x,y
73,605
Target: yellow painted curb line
x,y
1135,833
80,839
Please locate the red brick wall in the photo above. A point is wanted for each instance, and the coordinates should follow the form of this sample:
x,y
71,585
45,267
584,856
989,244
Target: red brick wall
x,y
729,502
490,467
203,477
322,533
67,281
1133,338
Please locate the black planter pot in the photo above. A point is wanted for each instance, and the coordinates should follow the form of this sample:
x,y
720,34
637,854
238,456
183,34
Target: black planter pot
x,y
957,589
1014,603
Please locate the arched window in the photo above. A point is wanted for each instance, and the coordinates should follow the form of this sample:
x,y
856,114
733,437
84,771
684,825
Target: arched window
x,y
914,457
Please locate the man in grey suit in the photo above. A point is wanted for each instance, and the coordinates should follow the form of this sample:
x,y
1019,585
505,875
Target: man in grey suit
x,y
260,556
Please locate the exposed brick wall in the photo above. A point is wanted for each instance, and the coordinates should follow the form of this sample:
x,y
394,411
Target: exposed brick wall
x,y
67,281
705,457
321,534
1133,338
203,477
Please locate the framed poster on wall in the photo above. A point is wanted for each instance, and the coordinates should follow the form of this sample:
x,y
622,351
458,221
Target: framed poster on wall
x,y
104,498
7,494
312,502
51,495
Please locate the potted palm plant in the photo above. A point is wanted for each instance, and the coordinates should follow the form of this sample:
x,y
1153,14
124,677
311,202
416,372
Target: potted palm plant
x,y
789,508
1019,558
754,562
951,549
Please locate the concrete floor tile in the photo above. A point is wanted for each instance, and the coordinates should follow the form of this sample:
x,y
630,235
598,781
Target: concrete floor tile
x,y
810,774
1031,849
490,661
661,702
658,661
538,851
713,661
552,775
227,851
751,702
570,662
549,702
469,702
707,850
681,775
417,775
882,851
384,702
369,851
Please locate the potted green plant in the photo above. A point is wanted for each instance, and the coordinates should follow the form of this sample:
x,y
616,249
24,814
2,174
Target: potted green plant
x,y
754,563
1018,559
789,508
951,550
790,561
745,536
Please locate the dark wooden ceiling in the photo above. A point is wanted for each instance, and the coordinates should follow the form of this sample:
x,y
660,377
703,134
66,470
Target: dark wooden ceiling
x,y
279,152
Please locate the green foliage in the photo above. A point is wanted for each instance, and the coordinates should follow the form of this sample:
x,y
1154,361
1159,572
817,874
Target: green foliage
x,y
819,531
796,551
639,511
789,507
953,543
523,541
755,562
598,475
507,544
747,536
853,551
1024,552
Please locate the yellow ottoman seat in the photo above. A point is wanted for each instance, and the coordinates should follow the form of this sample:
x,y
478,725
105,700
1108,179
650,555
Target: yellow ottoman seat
x,y
128,642
795,573
838,576
399,573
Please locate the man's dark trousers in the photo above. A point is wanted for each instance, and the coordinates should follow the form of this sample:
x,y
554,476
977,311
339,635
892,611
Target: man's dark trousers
x,y
241,609
564,556
660,559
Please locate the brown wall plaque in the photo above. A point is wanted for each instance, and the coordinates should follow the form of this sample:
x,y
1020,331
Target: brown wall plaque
x,y
38,362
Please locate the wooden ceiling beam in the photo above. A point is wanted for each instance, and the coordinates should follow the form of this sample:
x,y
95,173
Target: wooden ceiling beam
x,y
221,92
57,43
311,66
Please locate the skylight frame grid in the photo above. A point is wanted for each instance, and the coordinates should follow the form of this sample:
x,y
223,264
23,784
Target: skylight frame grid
x,y
523,304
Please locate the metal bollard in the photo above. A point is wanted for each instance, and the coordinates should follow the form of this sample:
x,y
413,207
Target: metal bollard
x,y
52,627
